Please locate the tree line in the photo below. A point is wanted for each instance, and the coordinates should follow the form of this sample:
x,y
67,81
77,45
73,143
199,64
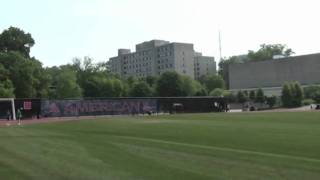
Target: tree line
x,y
22,76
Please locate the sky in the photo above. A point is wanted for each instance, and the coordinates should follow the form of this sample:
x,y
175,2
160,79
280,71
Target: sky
x,y
64,29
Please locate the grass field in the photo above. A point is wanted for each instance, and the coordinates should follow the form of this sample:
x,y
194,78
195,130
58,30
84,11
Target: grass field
x,y
190,146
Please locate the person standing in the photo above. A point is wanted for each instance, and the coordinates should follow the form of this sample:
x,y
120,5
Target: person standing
x,y
19,116
8,115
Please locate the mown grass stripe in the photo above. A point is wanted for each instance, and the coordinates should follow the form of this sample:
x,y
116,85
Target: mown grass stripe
x,y
242,151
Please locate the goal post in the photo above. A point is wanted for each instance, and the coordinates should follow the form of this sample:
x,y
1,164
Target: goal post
x,y
13,110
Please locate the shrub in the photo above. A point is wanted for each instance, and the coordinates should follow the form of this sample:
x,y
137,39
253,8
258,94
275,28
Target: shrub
x,y
260,96
217,92
241,97
271,101
316,97
307,102
292,94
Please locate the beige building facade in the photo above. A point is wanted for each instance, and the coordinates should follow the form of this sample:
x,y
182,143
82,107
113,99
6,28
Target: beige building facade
x,y
152,58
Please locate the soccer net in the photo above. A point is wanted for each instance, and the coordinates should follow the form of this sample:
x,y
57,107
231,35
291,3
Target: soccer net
x,y
11,107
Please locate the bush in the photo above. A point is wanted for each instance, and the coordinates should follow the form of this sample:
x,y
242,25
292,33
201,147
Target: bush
x,y
286,95
310,91
316,97
230,96
260,96
307,102
292,94
241,97
271,101
252,95
217,92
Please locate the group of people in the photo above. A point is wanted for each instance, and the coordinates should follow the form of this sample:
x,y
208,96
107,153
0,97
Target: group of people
x,y
18,115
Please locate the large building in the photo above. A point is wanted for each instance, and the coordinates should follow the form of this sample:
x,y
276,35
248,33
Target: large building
x,y
203,65
155,57
270,75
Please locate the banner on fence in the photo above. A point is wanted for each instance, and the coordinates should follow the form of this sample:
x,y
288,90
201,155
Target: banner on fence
x,y
65,108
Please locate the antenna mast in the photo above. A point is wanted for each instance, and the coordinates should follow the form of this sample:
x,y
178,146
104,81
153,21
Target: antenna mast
x,y
220,48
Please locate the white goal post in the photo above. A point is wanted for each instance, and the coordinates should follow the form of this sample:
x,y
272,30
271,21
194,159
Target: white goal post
x,y
13,110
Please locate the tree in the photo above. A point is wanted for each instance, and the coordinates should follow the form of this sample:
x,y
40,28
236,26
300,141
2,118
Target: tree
x,y
201,92
66,85
286,96
169,84
271,101
241,97
310,91
316,97
151,81
217,92
267,52
15,39
246,93
260,96
22,73
189,86
212,82
252,95
298,94
118,88
229,96
6,89
140,89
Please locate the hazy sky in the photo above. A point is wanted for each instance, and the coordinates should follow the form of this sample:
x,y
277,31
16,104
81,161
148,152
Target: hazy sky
x,y
64,29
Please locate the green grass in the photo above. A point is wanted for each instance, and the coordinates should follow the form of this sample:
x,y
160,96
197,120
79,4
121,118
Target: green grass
x,y
189,146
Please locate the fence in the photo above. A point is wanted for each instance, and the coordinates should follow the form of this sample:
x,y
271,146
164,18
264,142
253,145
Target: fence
x,y
35,108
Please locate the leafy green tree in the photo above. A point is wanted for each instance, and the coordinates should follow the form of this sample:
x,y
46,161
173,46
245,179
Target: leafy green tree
x,y
298,94
267,52
118,88
66,85
316,97
246,93
169,84
229,96
6,89
286,96
271,101
15,39
252,95
217,92
141,89
189,86
310,91
260,98
95,79
22,73
105,88
212,82
6,86
241,97
131,80
151,81
201,92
